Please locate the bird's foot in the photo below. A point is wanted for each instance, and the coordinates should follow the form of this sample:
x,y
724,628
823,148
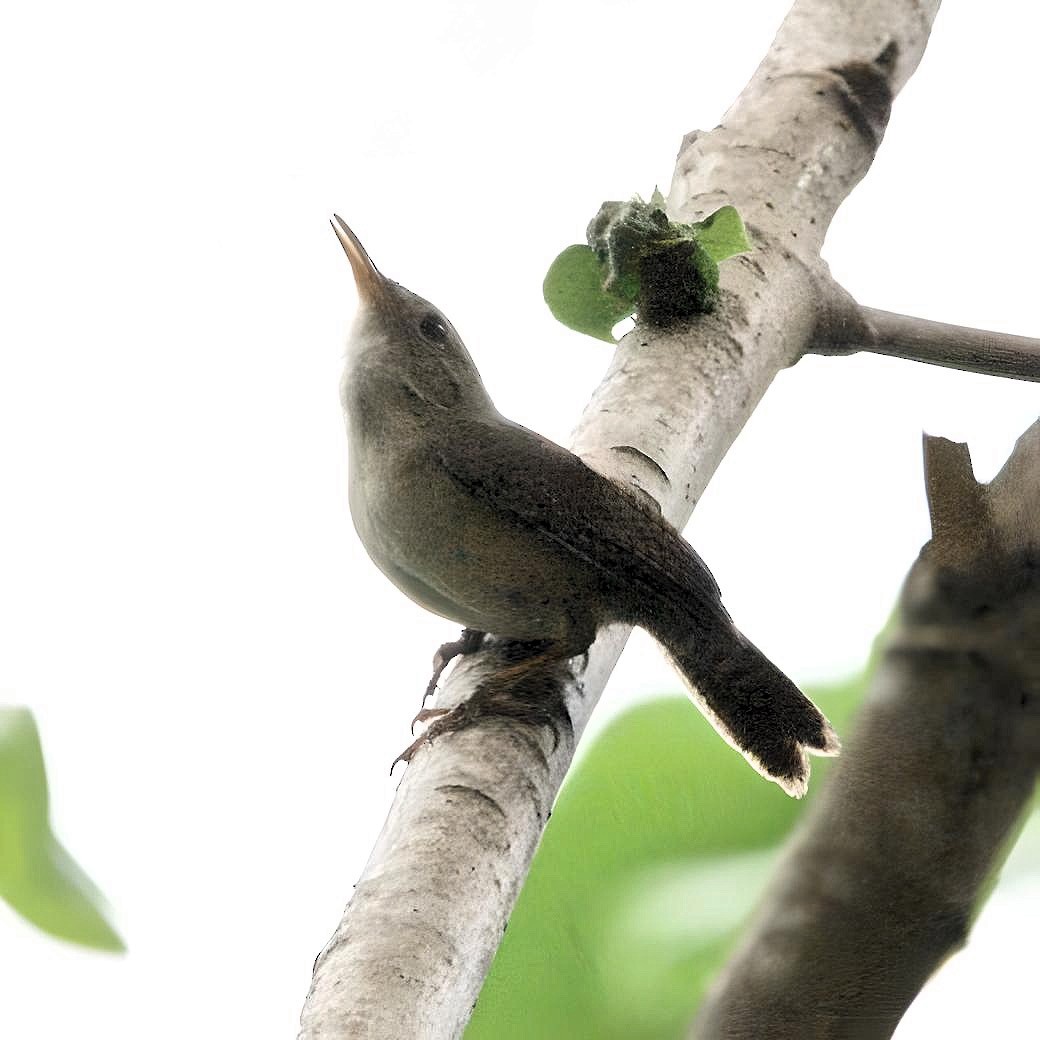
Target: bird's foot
x,y
427,715
467,643
526,688
439,723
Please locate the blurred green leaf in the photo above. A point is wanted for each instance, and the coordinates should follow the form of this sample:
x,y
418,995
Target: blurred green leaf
x,y
574,291
722,235
657,849
37,876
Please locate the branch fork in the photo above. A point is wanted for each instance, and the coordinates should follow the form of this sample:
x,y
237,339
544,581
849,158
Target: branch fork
x,y
410,954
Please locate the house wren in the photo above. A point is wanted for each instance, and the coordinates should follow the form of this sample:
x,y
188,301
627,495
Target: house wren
x,y
487,523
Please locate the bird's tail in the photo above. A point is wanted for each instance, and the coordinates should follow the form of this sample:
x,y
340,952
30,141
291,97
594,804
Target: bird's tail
x,y
752,704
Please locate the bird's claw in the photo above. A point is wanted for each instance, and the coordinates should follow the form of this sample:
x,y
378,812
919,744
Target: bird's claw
x,y
426,714
469,641
438,718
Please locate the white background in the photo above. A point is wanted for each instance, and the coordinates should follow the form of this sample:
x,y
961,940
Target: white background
x,y
220,676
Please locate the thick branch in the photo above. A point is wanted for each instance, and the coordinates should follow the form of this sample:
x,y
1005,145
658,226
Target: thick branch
x,y
973,350
883,880
412,949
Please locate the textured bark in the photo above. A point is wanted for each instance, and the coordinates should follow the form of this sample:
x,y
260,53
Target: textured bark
x,y
410,954
848,328
882,881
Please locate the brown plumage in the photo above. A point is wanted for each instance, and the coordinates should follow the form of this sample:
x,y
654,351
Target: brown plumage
x,y
489,524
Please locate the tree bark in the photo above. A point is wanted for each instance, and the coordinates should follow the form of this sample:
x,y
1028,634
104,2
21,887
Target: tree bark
x,y
851,328
883,879
410,954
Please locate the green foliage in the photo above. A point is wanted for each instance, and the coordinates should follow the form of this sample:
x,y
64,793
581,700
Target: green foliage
x,y
659,845
574,291
722,235
37,876
638,260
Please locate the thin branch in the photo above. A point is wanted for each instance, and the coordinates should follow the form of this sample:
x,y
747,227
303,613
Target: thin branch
x,y
410,954
952,346
883,880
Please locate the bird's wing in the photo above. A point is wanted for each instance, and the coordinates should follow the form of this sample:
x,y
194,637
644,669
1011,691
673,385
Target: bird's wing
x,y
545,487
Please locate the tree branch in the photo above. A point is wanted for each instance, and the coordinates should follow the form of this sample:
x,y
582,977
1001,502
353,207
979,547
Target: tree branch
x,y
882,881
973,350
410,954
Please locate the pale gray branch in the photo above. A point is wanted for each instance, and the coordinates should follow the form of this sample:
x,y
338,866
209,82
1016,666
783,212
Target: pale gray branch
x,y
410,954
953,346
882,881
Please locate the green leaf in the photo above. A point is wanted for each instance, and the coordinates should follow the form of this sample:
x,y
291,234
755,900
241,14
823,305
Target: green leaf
x,y
722,234
574,291
37,876
658,846
657,200
672,924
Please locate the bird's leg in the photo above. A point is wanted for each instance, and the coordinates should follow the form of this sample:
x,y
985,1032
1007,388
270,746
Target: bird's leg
x,y
468,642
529,687
525,687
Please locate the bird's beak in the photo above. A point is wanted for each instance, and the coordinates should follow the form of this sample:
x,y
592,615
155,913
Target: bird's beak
x,y
371,285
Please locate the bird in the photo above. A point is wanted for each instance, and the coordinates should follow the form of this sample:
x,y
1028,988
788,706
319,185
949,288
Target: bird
x,y
497,528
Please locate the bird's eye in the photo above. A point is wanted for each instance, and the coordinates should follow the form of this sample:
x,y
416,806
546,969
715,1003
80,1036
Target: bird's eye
x,y
433,329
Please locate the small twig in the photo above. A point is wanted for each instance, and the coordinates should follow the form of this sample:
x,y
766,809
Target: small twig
x,y
882,882
952,346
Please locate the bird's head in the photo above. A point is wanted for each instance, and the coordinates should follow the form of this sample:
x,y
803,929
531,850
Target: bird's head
x,y
405,336
388,309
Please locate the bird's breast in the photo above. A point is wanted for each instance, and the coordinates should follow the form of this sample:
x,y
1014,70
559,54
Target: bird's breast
x,y
452,555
